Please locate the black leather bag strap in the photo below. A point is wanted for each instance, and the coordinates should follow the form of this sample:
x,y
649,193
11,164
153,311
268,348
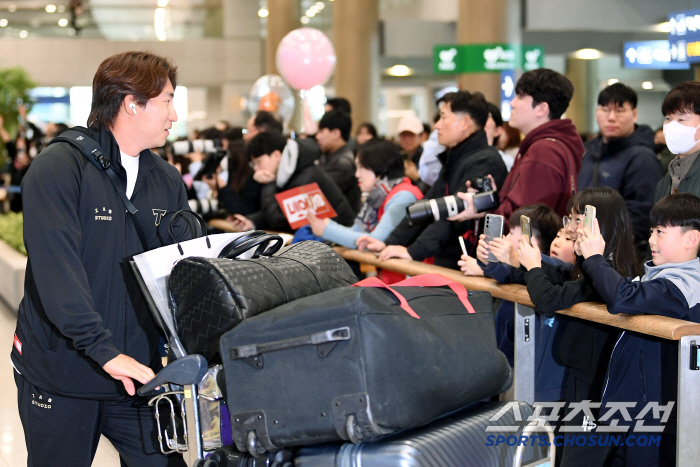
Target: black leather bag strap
x,y
90,149
261,241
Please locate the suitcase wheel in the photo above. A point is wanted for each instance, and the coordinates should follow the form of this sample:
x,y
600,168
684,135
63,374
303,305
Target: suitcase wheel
x,y
253,444
351,429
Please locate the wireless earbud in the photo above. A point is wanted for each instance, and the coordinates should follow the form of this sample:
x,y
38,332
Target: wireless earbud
x,y
133,107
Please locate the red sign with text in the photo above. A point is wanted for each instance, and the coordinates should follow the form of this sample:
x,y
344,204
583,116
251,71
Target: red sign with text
x,y
297,201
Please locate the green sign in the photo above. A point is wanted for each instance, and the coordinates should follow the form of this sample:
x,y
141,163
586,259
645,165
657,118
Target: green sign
x,y
486,58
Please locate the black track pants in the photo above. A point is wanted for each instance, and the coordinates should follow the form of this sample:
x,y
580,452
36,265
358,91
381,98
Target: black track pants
x,y
64,431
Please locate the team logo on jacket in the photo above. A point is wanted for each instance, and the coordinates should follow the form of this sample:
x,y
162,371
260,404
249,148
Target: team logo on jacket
x,y
103,215
18,344
159,213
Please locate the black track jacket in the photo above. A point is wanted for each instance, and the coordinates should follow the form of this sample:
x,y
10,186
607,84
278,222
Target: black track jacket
x,y
81,307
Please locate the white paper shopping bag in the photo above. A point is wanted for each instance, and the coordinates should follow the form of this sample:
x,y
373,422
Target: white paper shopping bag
x,y
155,267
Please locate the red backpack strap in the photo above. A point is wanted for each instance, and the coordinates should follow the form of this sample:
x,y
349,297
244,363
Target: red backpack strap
x,y
424,280
374,282
438,280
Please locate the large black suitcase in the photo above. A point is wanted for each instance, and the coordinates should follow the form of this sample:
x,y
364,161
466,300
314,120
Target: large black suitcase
x,y
350,364
459,440
209,296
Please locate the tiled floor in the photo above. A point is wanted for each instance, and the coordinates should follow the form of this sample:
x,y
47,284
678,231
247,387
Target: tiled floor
x,y
13,452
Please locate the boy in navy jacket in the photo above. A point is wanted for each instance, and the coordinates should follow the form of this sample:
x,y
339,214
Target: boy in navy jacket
x,y
643,368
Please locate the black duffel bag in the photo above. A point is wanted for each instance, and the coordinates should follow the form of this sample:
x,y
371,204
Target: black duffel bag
x,y
353,364
210,296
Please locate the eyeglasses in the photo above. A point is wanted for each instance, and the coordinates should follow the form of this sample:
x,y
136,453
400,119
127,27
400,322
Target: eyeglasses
x,y
616,110
567,220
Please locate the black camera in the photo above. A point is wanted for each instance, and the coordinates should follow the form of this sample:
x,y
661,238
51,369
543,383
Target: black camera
x,y
211,164
481,184
428,210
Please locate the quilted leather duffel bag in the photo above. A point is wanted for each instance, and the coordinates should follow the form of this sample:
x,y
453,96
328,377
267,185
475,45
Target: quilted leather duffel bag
x,y
359,363
209,296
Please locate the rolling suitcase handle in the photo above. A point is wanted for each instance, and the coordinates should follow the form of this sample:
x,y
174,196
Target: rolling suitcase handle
x,y
425,280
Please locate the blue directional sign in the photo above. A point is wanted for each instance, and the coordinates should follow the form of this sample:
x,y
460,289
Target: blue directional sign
x,y
684,36
507,93
651,55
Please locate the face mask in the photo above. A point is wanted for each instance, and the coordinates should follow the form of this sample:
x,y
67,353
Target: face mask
x,y
32,152
679,138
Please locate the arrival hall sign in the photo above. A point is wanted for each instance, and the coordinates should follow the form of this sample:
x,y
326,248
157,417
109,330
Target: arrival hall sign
x,y
486,58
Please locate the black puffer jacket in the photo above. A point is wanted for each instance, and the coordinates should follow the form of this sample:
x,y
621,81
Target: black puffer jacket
x,y
297,168
81,307
470,159
628,165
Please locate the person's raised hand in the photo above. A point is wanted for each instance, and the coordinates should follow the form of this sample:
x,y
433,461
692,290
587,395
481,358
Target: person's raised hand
x,y
394,251
469,266
504,251
126,369
365,242
482,249
590,243
529,255
242,223
318,226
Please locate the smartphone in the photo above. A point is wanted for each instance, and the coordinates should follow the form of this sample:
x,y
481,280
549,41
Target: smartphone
x,y
589,215
493,228
526,229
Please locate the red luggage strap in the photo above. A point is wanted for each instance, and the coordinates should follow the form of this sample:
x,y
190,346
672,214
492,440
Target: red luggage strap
x,y
424,280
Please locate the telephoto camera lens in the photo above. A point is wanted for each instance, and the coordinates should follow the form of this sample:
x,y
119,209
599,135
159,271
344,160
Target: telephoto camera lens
x,y
180,148
430,210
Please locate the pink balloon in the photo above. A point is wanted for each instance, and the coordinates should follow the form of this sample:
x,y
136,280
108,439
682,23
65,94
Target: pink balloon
x,y
305,58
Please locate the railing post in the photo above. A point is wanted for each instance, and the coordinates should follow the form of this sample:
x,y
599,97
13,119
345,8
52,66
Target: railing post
x,y
524,359
688,405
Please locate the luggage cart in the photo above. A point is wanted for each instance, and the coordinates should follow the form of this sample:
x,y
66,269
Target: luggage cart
x,y
191,414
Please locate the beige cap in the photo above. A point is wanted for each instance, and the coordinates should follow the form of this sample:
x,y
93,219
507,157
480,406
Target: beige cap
x,y
412,124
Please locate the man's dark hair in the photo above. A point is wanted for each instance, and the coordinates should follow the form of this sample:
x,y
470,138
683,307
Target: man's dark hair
x,y
381,157
265,143
337,119
545,85
233,133
210,133
617,94
495,113
544,221
339,103
267,122
371,129
679,210
473,105
615,225
140,74
684,98
60,128
426,128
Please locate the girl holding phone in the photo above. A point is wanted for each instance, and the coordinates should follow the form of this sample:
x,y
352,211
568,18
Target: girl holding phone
x,y
584,346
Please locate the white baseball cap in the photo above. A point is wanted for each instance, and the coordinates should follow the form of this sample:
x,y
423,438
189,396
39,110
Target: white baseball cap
x,y
412,124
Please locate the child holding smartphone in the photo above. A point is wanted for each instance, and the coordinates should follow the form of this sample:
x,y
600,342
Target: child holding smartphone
x,y
583,345
544,223
644,368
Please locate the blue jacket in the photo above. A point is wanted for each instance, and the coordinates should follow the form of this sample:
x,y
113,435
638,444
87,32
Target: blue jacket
x,y
628,165
550,372
644,368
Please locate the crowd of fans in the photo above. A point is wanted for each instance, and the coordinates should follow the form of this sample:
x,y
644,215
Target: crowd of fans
x,y
636,178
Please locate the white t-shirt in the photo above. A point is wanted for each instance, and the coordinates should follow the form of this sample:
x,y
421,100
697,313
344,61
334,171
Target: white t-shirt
x,y
131,165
